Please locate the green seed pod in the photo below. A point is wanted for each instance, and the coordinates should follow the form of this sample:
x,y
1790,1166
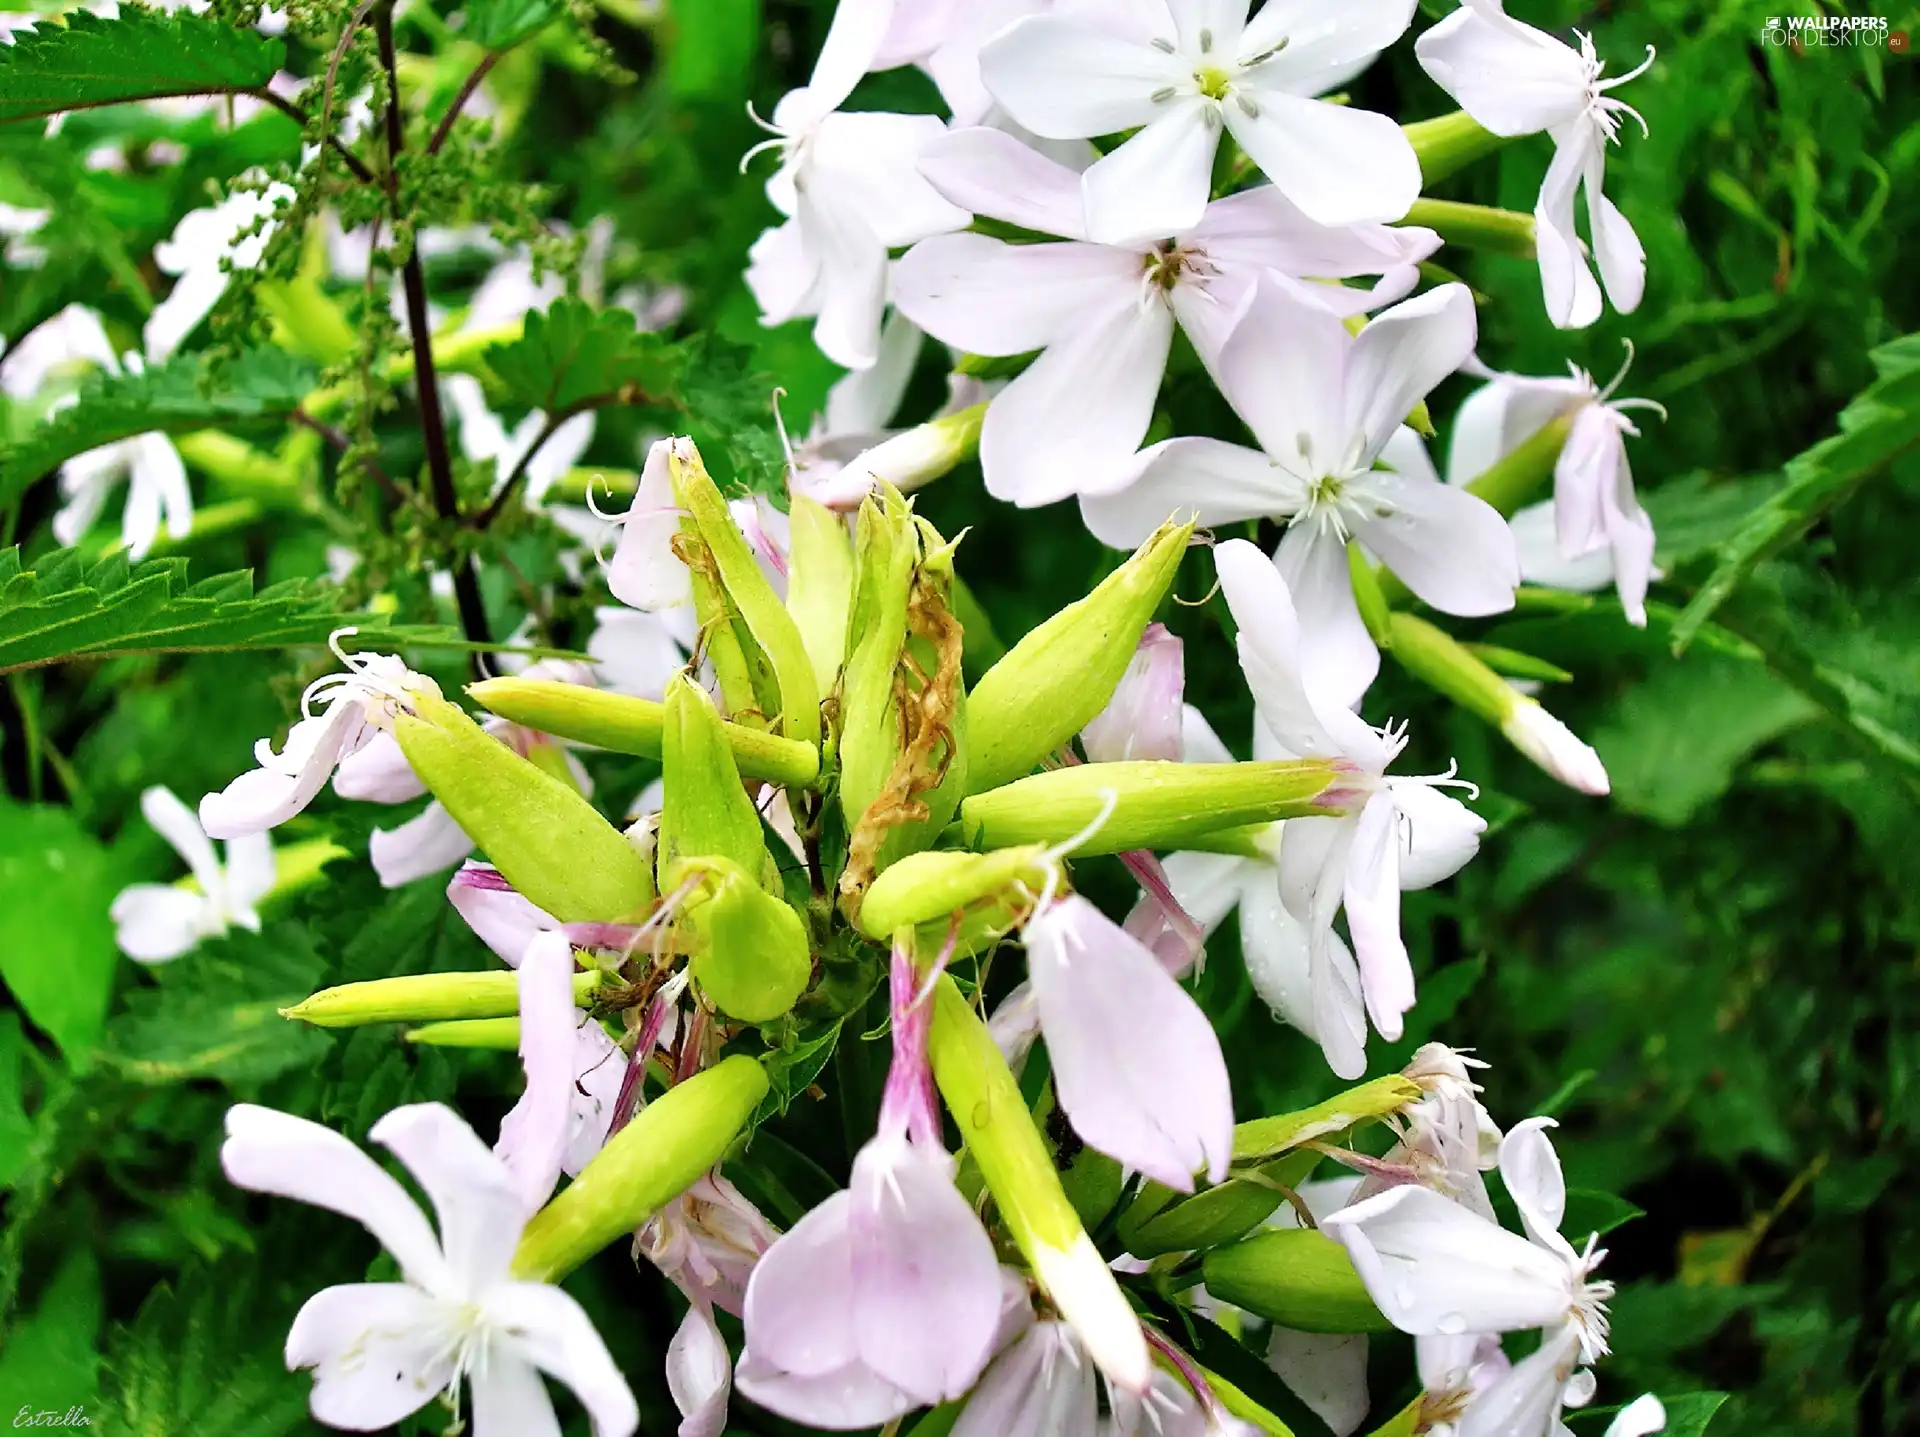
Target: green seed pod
x,y
1059,677
1449,143
820,585
425,998
885,549
753,958
546,840
704,810
1294,1277
931,887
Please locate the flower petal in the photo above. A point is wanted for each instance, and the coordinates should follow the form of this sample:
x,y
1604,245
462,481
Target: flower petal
x,y
1338,660
635,653
1372,900
1282,370
699,1374
865,166
1341,166
1143,718
1401,355
534,1135
852,288
989,172
863,402
264,798
1527,1400
1066,79
1510,77
1541,561
1567,285
799,1310
846,1398
156,922
1616,248
473,1195
1450,547
378,1352
1042,1384
1156,183
502,919
644,571
782,272
430,842
547,1328
1438,834
175,822
251,872
1213,481
1327,41
1531,1170
1641,1417
852,44
378,772
510,1400
1328,1372
989,297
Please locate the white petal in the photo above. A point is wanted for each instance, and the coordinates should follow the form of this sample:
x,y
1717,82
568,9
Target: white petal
x,y
1078,413
1283,370
1584,476
550,1330
1542,563
1042,1385
472,1192
852,288
1337,656
699,1374
193,296
1438,834
510,1400
175,822
481,434
157,468
251,871
1209,885
846,1398
782,271
635,653
1526,1402
1571,293
1340,166
378,1351
1450,547
1630,533
1509,77
156,922
866,167
1402,354
1260,229
989,297
264,798
989,172
1327,41
534,1135
1209,480
428,843
558,455
863,402
1156,183
274,1152
1339,1006
1616,248
1064,79
853,42
1274,946
1641,1417
1328,1373
1435,1268
378,772
644,571
1372,899
1531,1170
1405,452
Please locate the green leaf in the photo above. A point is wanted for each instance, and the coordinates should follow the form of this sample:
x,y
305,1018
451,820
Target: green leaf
x,y
1672,745
792,1069
184,394
142,55
1591,1211
57,952
570,358
1687,1415
51,1359
16,1128
1882,423
59,611
502,24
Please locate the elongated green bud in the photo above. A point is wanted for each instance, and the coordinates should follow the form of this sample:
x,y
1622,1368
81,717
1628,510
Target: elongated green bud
x,y
1513,481
624,724
1265,1138
704,810
1294,1277
752,957
643,1167
820,584
999,1133
497,1034
748,592
1220,1214
1149,803
921,454
425,998
1054,681
937,885
1448,144
885,549
1505,232
546,840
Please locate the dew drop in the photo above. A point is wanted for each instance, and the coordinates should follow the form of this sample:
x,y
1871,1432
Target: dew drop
x,y
1452,1325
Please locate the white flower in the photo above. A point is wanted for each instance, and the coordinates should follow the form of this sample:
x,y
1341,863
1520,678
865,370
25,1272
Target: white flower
x,y
848,183
353,708
1176,70
1516,80
1323,405
156,922
483,437
157,492
204,250
1407,835
859,408
1104,314
381,1351
70,340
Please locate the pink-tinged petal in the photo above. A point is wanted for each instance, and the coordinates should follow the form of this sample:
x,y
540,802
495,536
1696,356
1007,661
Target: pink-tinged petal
x,y
1372,900
1434,1268
599,1069
1567,285
501,918
1526,1402
547,1328
1283,371
1450,547
264,798
644,571
1340,166
799,1311
845,1399
1616,248
866,166
534,1135
156,922
1042,1384
1438,834
510,1400
1531,1170
274,1152
377,773
1555,747
1208,885
1642,1417
474,1197
1155,1096
1470,1362
1402,354
985,296
1327,41
699,1374
1260,228
1143,718
1156,183
1541,561
1075,417
430,842
1067,79
1209,479
1338,660
927,1293
1328,1373
1015,1024
1509,77
1339,1006
989,172
378,1351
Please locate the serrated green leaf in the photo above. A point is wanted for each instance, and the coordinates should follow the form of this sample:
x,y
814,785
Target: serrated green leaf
x,y
182,395
141,55
51,1357
502,24
791,1070
57,951
572,357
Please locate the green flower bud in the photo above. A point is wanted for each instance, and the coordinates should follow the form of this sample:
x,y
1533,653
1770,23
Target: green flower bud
x,y
752,956
1294,1277
1207,1219
1506,232
624,724
1265,1138
1448,144
546,840
923,453
643,1167
1513,481
1370,598
498,1034
1148,803
820,584
426,997
885,549
1054,681
705,810
933,886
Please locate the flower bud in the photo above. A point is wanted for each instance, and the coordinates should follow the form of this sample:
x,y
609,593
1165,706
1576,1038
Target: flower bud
x,y
1143,718
1207,1219
752,957
1437,659
1448,143
1150,804
1053,682
1296,1278
885,548
643,1167
704,810
624,724
934,886
820,585
1264,1138
546,840
1000,1135
494,1034
1507,232
424,998
911,458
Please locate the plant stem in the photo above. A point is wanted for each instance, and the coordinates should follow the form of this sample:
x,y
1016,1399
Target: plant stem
x,y
460,102
334,142
433,423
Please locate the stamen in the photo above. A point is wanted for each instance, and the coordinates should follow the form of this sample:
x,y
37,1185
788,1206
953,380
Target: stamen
x,y
1165,47
1635,73
1206,42
1246,104
760,149
1162,95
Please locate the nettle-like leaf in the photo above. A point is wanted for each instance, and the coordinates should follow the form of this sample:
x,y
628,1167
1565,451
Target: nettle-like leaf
x,y
61,609
142,55
502,24
572,358
182,395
